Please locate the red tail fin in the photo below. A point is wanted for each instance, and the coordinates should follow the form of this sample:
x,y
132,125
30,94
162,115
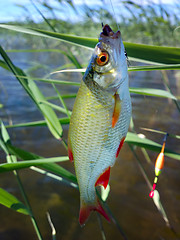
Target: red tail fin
x,y
86,210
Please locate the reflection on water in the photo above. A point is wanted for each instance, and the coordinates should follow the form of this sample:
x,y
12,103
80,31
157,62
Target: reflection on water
x,y
129,197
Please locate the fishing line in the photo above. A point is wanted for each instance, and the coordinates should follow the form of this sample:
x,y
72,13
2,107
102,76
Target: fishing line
x,y
115,18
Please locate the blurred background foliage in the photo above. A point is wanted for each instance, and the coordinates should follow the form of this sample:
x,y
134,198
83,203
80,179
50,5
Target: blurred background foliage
x,y
151,24
139,23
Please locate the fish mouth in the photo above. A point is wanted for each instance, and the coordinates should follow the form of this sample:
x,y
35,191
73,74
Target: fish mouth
x,y
108,32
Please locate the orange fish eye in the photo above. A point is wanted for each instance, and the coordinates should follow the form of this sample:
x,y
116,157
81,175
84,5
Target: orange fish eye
x,y
102,59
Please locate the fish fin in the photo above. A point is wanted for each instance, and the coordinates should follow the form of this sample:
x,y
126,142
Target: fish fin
x,y
120,146
117,109
70,154
86,210
103,178
102,211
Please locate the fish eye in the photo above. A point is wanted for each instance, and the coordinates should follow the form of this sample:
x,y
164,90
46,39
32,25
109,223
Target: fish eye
x,y
102,59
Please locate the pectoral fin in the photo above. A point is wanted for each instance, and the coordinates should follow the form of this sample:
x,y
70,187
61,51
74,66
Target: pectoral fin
x,y
104,178
117,109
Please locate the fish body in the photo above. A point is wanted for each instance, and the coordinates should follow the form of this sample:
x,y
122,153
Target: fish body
x,y
100,119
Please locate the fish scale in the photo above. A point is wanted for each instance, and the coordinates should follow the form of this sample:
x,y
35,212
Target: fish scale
x,y
100,119
96,132
89,130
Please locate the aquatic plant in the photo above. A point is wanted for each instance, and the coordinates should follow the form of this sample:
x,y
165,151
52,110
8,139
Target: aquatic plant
x,y
157,57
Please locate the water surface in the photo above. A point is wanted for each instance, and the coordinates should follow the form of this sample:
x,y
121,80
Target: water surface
x,y
129,197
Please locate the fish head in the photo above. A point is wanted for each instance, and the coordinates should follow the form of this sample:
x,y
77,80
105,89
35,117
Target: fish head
x,y
108,64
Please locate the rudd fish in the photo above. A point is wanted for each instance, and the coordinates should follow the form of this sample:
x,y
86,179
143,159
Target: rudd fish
x,y
100,119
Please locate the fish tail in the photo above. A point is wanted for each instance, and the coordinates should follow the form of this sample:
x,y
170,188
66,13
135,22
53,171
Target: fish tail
x,y
86,209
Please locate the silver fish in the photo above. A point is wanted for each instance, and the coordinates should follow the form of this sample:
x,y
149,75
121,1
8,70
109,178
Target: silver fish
x,y
100,119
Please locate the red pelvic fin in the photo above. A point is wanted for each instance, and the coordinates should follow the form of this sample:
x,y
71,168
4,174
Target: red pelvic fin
x,y
86,210
120,146
117,109
103,178
70,154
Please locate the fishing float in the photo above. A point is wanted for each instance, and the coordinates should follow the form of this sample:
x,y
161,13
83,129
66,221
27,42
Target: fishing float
x,y
159,164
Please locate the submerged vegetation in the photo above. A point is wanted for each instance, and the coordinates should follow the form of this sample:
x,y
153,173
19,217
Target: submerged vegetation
x,y
65,46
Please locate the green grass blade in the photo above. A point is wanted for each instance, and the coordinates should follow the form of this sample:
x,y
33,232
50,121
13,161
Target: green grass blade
x,y
132,68
25,155
60,109
5,139
49,114
57,169
156,54
12,159
42,15
34,50
36,95
3,65
80,41
74,60
55,176
4,134
10,201
68,54
71,57
114,220
152,92
143,91
161,132
133,138
166,83
3,147
37,123
57,81
62,101
52,167
63,96
72,70
6,167
155,67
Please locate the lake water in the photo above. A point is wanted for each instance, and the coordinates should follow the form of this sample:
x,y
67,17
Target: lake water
x,y
129,197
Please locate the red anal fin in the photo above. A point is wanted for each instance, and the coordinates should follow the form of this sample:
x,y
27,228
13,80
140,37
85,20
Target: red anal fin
x,y
70,154
117,109
102,211
104,178
120,146
86,210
